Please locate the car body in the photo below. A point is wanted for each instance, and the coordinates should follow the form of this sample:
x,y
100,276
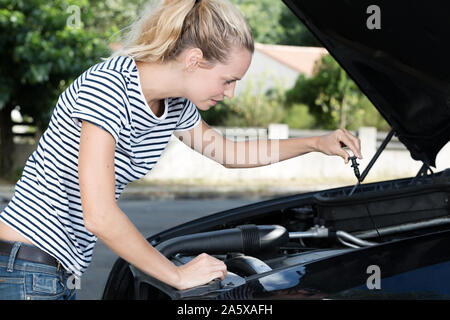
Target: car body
x,y
380,240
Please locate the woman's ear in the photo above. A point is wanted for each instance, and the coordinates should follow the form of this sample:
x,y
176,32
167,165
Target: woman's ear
x,y
193,58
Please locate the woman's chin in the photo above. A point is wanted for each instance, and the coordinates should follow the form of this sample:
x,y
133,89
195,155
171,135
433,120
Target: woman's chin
x,y
205,107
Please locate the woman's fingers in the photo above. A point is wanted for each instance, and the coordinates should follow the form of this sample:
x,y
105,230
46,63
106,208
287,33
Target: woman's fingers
x,y
219,274
356,142
202,269
216,267
344,154
220,268
351,142
218,271
334,143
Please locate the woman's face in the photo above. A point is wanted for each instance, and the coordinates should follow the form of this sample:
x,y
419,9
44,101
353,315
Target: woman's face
x,y
207,86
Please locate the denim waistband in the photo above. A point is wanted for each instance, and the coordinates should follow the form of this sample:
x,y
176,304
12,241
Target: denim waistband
x,y
10,260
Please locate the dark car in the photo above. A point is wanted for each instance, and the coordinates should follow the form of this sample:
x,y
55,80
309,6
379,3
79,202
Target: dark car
x,y
382,240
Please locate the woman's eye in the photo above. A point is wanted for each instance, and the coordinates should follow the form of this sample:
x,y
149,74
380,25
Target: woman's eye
x,y
229,81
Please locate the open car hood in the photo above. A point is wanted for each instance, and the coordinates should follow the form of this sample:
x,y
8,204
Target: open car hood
x,y
403,67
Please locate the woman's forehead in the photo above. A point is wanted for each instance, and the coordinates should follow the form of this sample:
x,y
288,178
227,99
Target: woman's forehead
x,y
238,62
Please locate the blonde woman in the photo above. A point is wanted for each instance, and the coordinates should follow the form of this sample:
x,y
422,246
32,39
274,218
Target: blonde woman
x,y
108,128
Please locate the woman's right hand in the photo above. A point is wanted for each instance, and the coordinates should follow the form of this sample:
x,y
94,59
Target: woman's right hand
x,y
200,270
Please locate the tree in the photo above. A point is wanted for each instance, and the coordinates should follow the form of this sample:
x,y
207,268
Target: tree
x,y
333,98
295,32
272,22
44,48
112,16
255,106
263,18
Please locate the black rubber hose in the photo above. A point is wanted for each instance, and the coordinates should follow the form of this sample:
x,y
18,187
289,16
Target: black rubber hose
x,y
247,239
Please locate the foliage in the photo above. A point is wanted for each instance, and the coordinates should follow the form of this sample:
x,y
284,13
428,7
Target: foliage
x,y
334,100
294,31
253,107
298,116
263,17
45,46
112,16
366,115
42,54
273,23
217,115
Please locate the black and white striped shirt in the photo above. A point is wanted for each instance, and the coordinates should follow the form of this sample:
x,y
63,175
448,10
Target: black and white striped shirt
x,y
46,206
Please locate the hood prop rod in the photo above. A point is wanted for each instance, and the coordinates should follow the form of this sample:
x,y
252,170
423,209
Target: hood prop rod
x,y
374,158
423,173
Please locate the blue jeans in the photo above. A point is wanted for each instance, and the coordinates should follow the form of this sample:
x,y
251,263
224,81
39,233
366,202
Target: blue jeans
x,y
25,280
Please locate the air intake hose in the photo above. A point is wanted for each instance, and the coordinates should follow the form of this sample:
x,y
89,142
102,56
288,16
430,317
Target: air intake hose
x,y
248,239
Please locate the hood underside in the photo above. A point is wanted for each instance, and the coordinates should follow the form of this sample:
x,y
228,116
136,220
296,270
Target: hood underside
x,y
397,54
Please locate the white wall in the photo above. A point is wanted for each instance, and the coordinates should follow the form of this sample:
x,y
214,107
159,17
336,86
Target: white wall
x,y
179,162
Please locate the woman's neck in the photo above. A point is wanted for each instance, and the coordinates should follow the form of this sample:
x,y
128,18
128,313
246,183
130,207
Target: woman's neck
x,y
159,81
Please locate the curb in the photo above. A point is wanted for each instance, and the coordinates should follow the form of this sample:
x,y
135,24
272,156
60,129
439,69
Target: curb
x,y
211,192
168,192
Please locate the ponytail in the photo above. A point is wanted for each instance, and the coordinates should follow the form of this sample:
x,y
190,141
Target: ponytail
x,y
161,33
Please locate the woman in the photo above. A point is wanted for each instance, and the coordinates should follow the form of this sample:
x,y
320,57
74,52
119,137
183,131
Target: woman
x,y
109,128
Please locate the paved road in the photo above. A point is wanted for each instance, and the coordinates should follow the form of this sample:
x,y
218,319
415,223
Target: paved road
x,y
149,217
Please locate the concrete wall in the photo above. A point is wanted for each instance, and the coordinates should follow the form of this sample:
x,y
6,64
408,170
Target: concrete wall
x,y
179,162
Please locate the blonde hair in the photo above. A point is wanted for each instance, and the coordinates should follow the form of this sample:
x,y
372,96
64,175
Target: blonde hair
x,y
162,33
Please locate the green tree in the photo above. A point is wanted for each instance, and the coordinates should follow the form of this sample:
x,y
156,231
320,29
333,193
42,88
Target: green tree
x,y
295,32
45,46
263,18
112,16
297,116
333,98
273,23
254,106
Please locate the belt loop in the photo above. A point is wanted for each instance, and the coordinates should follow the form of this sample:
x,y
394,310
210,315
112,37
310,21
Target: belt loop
x,y
12,256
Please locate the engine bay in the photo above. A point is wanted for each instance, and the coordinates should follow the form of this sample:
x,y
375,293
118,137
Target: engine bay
x,y
324,224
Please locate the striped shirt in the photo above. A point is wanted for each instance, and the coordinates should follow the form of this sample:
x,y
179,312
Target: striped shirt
x,y
46,205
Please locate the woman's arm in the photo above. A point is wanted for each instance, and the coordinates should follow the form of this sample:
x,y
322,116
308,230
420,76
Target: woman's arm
x,y
261,152
104,218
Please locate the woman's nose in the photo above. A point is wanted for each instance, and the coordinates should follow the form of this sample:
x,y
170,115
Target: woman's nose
x,y
229,92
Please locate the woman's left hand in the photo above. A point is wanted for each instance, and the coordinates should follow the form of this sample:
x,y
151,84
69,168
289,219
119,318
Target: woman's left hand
x,y
333,144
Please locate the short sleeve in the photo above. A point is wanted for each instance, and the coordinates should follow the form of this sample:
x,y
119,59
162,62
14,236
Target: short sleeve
x,y
101,101
189,117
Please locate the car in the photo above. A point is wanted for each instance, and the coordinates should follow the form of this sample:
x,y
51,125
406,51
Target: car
x,y
380,240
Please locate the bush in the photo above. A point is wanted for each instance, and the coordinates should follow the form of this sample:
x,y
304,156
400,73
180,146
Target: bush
x,y
43,51
253,107
297,116
333,99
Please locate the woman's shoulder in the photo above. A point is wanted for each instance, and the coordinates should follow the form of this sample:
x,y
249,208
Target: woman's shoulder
x,y
116,71
115,65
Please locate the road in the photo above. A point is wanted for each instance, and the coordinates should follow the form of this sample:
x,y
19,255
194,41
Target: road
x,y
149,217
152,215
